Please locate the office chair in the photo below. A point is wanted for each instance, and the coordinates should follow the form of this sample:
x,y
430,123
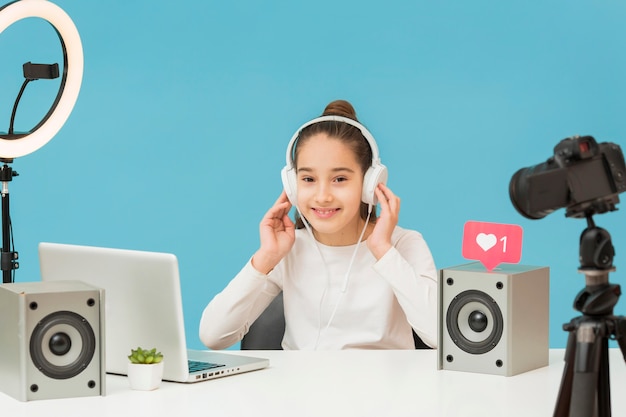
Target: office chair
x,y
266,333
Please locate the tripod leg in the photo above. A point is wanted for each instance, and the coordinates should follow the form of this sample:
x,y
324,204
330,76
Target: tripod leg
x,y
584,401
604,385
565,391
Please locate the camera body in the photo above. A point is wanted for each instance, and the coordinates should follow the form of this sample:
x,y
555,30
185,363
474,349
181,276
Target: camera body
x,y
582,175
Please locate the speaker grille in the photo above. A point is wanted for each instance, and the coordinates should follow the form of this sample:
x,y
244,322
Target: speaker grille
x,y
474,322
62,345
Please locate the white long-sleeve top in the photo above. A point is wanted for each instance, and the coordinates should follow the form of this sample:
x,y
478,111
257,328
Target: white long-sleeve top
x,y
382,301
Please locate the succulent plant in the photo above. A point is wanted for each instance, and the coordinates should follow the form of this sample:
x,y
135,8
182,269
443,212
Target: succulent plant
x,y
146,357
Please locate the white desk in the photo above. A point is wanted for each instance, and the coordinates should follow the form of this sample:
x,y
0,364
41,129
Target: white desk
x,y
338,383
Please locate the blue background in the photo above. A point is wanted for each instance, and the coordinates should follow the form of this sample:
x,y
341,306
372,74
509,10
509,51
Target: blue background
x,y
179,133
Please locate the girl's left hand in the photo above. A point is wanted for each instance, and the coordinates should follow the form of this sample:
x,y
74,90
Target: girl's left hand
x,y
379,242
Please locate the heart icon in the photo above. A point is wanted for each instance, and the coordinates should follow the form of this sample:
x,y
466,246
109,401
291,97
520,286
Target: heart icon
x,y
492,243
485,241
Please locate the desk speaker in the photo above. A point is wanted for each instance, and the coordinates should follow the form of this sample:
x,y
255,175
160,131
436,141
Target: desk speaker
x,y
493,322
51,340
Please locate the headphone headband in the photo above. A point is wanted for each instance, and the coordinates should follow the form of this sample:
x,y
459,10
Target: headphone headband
x,y
332,118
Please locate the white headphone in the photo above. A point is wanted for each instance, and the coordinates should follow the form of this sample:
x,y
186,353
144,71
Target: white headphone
x,y
376,173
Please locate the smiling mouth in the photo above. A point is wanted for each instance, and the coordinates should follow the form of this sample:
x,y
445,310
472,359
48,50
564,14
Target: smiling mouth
x,y
325,213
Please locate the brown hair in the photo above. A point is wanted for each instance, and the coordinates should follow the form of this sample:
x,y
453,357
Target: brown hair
x,y
349,135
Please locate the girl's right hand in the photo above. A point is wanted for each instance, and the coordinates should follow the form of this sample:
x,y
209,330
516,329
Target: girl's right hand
x,y
278,233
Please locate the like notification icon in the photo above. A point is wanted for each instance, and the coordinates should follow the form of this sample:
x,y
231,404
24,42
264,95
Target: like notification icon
x,y
492,243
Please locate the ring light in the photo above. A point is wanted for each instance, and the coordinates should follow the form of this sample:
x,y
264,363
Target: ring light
x,y
56,117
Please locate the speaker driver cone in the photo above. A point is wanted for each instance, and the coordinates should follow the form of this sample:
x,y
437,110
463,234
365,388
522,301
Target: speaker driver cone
x,y
474,322
62,345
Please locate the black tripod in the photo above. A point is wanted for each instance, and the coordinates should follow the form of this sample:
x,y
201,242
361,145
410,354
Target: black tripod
x,y
585,386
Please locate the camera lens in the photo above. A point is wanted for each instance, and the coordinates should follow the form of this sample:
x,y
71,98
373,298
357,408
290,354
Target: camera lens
x,y
539,190
518,190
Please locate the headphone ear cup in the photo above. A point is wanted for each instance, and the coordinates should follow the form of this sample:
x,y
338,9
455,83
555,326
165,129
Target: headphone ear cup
x,y
376,174
288,176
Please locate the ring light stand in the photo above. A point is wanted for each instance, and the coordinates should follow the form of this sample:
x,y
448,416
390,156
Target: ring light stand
x,y
15,145
8,258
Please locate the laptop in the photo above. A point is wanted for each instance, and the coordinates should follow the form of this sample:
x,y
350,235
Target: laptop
x,y
143,308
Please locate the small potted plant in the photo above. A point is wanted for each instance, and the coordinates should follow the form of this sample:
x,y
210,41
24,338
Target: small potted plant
x,y
145,369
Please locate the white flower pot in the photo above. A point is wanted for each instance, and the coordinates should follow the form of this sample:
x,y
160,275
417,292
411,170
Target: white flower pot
x,y
145,377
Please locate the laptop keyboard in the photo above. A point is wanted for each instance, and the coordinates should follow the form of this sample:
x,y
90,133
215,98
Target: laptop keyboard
x,y
195,366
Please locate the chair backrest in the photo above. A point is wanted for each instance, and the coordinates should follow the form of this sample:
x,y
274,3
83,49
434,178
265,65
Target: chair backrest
x,y
419,343
266,333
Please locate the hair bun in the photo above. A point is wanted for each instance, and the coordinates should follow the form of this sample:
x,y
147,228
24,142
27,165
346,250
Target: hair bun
x,y
340,108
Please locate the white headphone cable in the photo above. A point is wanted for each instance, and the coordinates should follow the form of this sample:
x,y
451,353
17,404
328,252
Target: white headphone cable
x,y
319,320
347,276
358,243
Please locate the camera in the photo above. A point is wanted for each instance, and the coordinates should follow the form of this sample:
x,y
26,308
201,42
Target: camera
x,y
582,175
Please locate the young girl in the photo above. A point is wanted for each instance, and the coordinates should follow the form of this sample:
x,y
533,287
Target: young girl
x,y
349,279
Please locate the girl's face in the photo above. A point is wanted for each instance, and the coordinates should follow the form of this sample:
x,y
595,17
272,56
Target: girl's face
x,y
329,187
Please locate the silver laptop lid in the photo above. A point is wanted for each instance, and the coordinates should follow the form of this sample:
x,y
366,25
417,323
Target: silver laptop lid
x,y
142,299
